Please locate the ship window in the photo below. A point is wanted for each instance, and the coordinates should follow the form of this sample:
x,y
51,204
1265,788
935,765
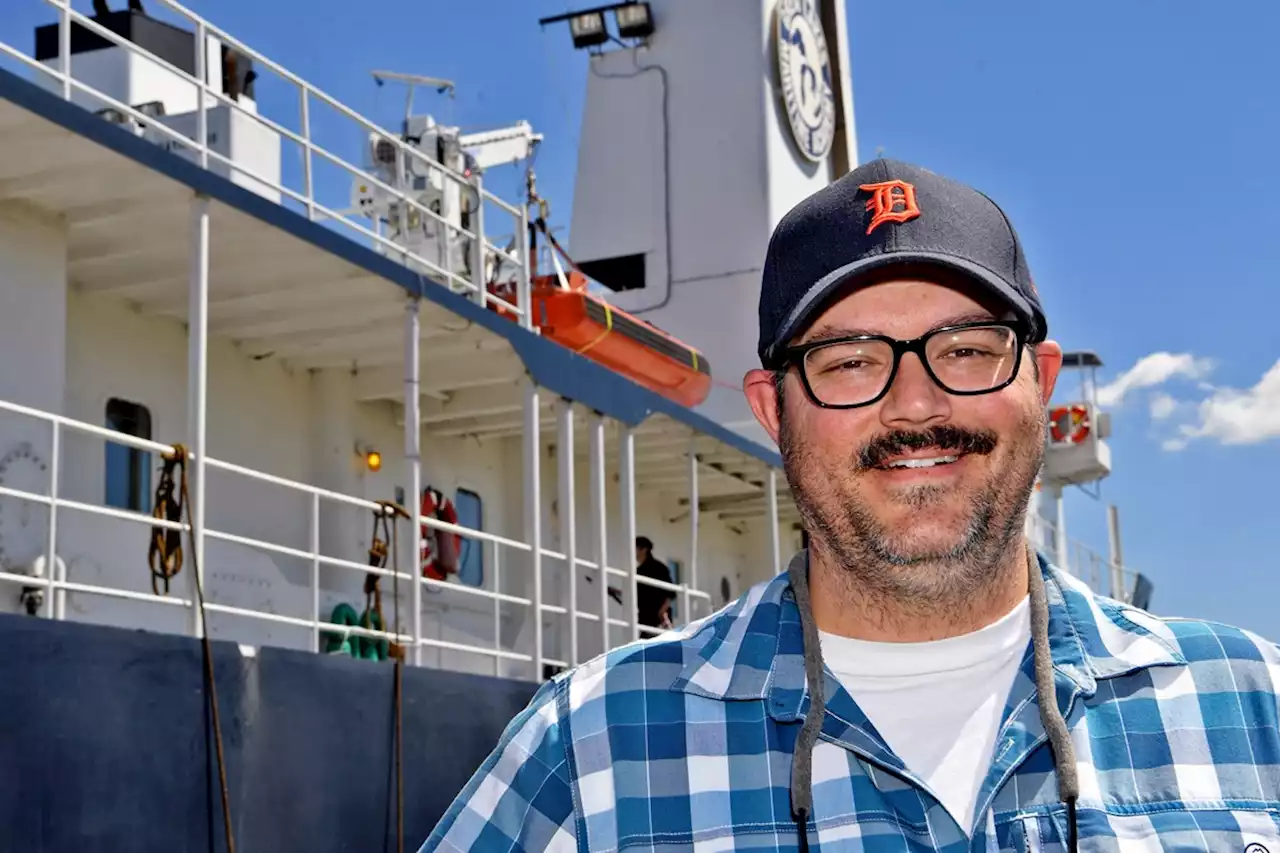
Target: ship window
x,y
128,469
471,560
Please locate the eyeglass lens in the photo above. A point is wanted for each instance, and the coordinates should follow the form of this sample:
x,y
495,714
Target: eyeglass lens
x,y
968,360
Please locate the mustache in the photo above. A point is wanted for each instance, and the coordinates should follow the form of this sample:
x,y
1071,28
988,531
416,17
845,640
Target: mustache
x,y
944,437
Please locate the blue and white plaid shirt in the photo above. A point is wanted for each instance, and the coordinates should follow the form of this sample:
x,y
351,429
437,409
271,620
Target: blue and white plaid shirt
x,y
685,742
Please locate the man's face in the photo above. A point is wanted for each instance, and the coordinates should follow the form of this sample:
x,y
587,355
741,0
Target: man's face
x,y
918,531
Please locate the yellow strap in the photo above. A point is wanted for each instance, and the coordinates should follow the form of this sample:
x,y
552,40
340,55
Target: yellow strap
x,y
608,327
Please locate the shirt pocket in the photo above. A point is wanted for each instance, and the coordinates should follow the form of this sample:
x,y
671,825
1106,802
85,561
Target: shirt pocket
x,y
1171,830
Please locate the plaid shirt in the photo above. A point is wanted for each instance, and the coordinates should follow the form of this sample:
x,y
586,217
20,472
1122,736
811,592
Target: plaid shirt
x,y
684,742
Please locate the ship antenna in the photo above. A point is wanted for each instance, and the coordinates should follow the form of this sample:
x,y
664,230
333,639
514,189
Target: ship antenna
x,y
412,80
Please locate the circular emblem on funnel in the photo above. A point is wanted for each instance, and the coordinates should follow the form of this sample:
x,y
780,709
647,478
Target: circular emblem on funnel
x,y
804,73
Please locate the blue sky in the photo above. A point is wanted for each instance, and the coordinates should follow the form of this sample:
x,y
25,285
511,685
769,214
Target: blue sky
x,y
1133,145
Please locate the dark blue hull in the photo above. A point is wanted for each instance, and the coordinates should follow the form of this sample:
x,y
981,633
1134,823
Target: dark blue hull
x,y
104,744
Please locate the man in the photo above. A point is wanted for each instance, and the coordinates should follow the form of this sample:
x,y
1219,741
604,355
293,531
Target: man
x,y
653,604
918,679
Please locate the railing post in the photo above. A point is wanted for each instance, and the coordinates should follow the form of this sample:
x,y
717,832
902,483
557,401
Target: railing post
x,y
402,205
64,47
627,487
599,522
1061,548
445,252
55,601
197,391
1118,592
202,81
524,286
315,571
775,547
497,608
693,524
533,512
413,458
568,520
478,279
306,153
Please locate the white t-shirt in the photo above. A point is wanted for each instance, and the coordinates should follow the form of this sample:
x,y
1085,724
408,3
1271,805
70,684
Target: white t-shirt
x,y
937,704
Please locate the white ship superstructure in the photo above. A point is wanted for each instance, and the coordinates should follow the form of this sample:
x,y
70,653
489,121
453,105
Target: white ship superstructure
x,y
321,327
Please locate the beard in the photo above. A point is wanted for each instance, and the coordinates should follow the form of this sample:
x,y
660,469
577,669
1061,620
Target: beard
x,y
902,561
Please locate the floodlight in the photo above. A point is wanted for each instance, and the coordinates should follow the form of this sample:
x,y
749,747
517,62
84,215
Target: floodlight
x,y
635,20
588,29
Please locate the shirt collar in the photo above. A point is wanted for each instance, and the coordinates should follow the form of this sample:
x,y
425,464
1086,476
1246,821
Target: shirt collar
x,y
753,650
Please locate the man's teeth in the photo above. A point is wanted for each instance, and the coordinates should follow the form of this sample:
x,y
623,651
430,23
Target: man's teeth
x,y
921,463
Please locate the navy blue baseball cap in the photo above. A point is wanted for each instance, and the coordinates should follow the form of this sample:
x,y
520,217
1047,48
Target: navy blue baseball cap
x,y
881,214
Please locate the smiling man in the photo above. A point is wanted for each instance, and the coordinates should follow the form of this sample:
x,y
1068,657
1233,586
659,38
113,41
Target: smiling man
x,y
918,679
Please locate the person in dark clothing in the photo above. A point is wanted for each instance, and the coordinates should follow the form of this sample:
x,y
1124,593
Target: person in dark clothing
x,y
654,604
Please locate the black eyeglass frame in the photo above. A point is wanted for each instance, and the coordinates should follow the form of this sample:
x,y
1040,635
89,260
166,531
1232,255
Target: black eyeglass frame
x,y
795,355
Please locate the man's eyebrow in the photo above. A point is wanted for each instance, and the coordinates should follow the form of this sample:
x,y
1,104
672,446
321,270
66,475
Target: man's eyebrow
x,y
828,333
967,317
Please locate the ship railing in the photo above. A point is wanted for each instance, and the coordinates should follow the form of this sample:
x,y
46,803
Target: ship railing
x,y
1102,574
53,579
475,286
1098,572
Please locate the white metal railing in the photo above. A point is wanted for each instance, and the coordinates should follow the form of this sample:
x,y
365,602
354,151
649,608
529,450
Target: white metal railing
x,y
56,584
1083,562
475,286
1099,572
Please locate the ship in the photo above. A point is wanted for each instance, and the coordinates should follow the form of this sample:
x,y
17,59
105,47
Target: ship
x,y
302,499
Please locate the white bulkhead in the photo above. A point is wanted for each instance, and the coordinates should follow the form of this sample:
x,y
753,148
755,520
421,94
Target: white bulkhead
x,y
687,160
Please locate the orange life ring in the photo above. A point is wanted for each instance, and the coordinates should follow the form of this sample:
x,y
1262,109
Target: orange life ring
x,y
440,548
1078,415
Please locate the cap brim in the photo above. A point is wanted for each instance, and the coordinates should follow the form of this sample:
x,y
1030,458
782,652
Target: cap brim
x,y
816,297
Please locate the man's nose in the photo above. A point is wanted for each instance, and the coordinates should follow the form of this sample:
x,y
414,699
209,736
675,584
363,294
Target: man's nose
x,y
914,398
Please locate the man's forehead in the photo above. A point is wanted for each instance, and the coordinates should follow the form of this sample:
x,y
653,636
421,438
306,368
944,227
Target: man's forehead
x,y
831,329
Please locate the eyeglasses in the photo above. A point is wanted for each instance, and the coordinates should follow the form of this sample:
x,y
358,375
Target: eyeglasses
x,y
965,359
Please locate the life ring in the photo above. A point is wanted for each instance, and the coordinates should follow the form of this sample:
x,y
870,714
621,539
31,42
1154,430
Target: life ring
x,y
1074,417
440,548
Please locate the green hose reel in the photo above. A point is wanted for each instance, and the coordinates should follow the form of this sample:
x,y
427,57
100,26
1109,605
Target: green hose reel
x,y
363,648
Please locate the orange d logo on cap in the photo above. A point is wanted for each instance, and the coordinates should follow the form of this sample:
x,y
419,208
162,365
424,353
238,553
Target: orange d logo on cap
x,y
891,201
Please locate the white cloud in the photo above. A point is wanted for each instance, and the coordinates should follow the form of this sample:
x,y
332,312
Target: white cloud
x,y
1150,371
1233,416
1162,406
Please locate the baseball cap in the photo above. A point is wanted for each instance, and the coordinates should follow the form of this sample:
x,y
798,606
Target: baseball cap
x,y
884,213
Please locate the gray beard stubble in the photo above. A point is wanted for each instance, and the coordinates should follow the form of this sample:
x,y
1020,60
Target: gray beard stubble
x,y
880,562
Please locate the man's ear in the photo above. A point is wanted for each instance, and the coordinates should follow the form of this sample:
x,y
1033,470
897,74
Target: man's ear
x,y
762,393
1048,356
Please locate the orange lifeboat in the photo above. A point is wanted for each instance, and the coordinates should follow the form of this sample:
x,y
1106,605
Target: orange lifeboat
x,y
565,312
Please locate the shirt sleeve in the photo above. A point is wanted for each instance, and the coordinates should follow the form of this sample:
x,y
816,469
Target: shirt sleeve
x,y
521,798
